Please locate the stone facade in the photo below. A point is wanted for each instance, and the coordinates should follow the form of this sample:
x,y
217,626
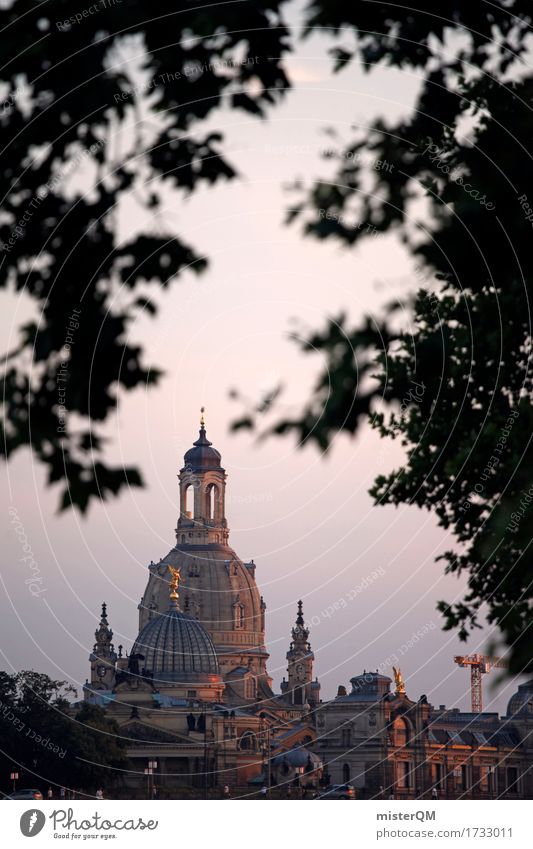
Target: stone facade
x,y
388,746
193,698
217,587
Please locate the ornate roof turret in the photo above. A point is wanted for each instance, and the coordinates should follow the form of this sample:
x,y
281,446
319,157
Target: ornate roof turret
x,y
300,688
103,657
202,517
103,635
300,634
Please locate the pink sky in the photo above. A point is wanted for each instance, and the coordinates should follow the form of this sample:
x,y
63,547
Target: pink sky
x,y
307,520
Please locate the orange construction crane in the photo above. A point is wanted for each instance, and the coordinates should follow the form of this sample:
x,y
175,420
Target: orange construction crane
x,y
479,664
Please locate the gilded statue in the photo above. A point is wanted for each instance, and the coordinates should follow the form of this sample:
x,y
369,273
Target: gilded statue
x,y
398,680
174,583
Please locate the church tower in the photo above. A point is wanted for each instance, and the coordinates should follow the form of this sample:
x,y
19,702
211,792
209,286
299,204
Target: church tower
x,y
202,516
103,657
217,587
300,689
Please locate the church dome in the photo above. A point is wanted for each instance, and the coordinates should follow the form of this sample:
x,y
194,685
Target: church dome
x,y
522,701
298,756
202,456
176,647
368,687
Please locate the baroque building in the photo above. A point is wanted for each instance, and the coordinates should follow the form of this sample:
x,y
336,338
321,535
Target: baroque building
x,y
217,587
193,695
388,746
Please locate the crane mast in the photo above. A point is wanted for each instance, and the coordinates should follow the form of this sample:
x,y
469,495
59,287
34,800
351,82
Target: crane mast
x,y
479,665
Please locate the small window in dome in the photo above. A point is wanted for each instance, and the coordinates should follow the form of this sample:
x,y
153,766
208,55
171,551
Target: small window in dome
x,y
238,614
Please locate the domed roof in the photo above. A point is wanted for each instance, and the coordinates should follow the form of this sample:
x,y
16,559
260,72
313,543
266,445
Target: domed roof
x,y
208,591
176,647
522,701
297,757
368,687
202,456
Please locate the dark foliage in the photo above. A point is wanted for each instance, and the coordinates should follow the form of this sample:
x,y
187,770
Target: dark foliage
x,y
456,383
69,95
49,743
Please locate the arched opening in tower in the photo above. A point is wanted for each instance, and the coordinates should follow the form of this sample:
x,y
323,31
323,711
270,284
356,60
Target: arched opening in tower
x,y
212,502
188,501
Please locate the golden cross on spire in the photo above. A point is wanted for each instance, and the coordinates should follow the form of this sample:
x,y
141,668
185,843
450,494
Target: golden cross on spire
x,y
202,417
174,583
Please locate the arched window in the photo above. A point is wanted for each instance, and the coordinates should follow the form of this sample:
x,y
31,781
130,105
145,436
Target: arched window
x,y
247,742
211,502
345,773
400,732
188,501
238,616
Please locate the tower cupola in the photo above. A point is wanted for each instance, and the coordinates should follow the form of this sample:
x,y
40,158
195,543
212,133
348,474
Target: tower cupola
x,y
300,688
103,657
202,480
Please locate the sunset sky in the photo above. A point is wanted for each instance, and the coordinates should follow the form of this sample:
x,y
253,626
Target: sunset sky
x,y
305,519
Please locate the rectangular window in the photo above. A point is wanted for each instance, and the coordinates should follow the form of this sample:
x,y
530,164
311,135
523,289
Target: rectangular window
x,y
436,774
465,777
512,779
191,694
403,772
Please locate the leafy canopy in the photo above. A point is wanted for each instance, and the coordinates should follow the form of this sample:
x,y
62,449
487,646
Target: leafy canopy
x,y
453,181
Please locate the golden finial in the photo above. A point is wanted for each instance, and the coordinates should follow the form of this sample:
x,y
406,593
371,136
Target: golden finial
x,y
202,417
398,680
174,583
